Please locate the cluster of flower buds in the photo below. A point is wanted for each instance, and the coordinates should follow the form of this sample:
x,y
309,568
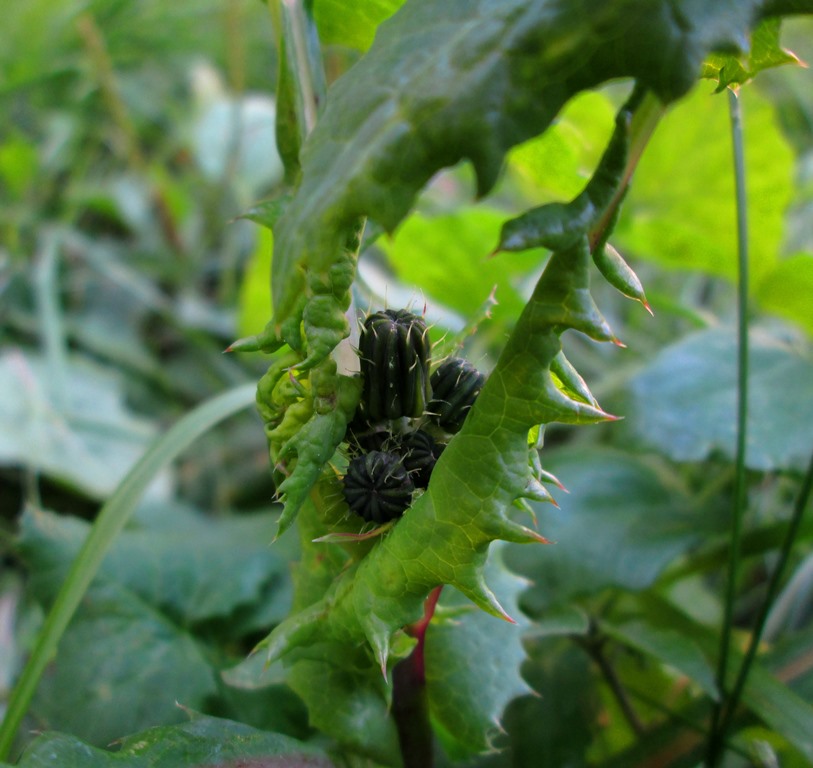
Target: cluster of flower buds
x,y
392,450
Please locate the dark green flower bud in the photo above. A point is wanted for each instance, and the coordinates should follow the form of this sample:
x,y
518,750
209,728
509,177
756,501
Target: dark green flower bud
x,y
455,386
378,487
395,351
419,452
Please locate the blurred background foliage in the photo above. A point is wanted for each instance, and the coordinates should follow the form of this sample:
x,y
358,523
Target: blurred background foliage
x,y
133,136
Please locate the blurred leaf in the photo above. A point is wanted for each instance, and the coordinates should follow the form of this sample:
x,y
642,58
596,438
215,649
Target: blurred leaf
x,y
448,257
142,665
680,209
234,140
669,647
766,52
473,663
195,744
255,291
787,289
559,162
686,400
76,430
192,567
620,526
18,165
352,24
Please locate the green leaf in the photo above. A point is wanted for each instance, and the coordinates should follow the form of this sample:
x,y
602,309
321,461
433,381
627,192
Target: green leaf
x,y
189,566
786,290
680,210
473,663
621,524
142,666
352,24
71,425
765,52
193,745
686,398
346,699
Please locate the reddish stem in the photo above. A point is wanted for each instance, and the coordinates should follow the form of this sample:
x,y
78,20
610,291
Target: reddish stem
x,y
410,707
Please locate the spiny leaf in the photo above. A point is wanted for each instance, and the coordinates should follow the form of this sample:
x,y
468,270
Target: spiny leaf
x,y
765,52
470,79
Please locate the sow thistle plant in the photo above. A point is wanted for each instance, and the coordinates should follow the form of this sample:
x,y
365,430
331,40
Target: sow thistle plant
x,y
405,479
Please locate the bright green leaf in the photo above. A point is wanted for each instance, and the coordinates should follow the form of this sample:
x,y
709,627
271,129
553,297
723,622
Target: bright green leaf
x,y
448,258
787,290
352,24
559,162
685,400
680,211
255,291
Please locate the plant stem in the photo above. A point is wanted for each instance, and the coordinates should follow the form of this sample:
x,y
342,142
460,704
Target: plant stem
x,y
410,707
770,596
594,645
717,733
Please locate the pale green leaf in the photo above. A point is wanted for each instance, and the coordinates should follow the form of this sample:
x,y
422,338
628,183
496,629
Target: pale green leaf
x,y
80,433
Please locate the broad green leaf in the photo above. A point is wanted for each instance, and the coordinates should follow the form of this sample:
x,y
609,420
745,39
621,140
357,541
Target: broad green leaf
x,y
449,258
195,744
668,647
765,52
685,400
352,24
620,526
680,211
473,663
140,666
71,425
190,567
787,288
